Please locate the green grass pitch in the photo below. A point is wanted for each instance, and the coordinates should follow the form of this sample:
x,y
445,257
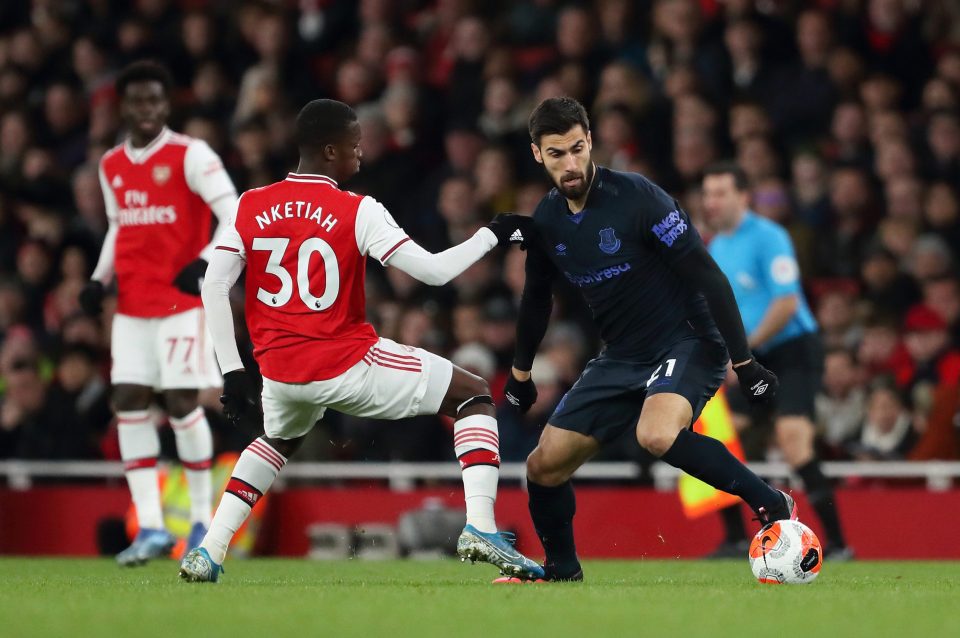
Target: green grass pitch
x,y
272,598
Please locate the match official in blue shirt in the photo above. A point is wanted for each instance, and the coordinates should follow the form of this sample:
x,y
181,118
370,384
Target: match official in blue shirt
x,y
757,256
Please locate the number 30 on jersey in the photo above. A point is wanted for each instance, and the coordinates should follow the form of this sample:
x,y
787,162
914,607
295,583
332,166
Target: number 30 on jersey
x,y
277,247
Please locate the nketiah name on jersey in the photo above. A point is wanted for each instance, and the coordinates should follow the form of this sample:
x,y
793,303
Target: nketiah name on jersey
x,y
296,210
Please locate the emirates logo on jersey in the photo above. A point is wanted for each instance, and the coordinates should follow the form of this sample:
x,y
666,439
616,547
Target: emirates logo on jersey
x,y
161,174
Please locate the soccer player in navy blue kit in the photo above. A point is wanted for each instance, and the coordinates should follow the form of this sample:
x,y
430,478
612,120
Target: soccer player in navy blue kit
x,y
667,317
758,258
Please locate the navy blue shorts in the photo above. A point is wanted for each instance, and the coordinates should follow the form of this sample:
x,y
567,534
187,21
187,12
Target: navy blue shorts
x,y
607,398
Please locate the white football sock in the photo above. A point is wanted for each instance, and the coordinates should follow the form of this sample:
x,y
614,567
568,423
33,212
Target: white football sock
x,y
253,475
477,446
195,448
139,448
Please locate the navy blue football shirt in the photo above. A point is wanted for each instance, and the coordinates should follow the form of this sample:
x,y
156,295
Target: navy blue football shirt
x,y
618,251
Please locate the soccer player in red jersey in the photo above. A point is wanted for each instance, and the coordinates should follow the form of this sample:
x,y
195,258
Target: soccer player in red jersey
x,y
304,243
160,188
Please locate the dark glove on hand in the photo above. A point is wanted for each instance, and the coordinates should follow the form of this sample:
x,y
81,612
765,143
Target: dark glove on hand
x,y
188,281
520,394
91,298
757,383
239,398
511,229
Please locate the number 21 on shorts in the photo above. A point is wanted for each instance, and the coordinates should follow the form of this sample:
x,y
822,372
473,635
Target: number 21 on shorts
x,y
670,363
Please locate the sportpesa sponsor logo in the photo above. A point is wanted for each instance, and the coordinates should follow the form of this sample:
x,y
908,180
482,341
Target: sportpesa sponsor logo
x,y
597,276
147,215
669,228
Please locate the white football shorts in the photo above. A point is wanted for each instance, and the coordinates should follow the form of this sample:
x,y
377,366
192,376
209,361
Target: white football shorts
x,y
392,381
164,353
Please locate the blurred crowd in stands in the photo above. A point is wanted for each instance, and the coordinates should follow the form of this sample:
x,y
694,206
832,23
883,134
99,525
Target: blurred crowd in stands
x,y
843,113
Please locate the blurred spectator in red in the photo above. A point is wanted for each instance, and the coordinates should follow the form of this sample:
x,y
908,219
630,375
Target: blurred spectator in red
x,y
942,295
932,359
880,351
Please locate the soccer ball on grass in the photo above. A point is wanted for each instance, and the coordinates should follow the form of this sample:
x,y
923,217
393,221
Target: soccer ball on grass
x,y
786,552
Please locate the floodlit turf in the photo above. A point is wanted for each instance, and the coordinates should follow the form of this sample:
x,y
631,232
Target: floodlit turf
x,y
272,598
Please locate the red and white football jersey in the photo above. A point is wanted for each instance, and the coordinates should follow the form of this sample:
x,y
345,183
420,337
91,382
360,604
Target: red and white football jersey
x,y
305,242
158,196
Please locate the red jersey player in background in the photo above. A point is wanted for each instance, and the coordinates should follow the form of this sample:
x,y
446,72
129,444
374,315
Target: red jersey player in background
x,y
304,243
159,188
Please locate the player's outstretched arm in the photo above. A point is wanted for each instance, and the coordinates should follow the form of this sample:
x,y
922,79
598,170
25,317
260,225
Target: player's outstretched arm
x,y
222,273
379,236
698,269
437,269
536,305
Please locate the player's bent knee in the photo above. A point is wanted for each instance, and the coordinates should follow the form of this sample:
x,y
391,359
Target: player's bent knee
x,y
465,396
656,440
543,472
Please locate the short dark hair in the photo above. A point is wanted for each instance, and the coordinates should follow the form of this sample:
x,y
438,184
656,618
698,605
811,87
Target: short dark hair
x,y
556,116
729,168
323,122
144,71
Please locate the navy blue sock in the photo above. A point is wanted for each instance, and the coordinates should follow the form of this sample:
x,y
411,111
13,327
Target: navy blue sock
x,y
710,461
552,510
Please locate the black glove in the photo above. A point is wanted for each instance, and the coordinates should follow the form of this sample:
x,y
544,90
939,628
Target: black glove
x,y
239,399
91,298
511,229
188,281
520,394
757,383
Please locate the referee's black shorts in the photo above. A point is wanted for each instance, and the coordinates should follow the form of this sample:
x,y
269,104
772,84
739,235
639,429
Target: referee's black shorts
x,y
798,363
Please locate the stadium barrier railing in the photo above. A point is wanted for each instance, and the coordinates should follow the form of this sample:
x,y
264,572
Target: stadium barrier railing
x,y
938,475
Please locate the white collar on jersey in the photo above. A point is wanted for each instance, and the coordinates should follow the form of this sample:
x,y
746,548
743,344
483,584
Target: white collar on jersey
x,y
141,155
310,178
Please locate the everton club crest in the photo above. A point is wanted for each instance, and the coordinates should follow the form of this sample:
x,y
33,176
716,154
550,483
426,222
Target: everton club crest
x,y
161,174
608,241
